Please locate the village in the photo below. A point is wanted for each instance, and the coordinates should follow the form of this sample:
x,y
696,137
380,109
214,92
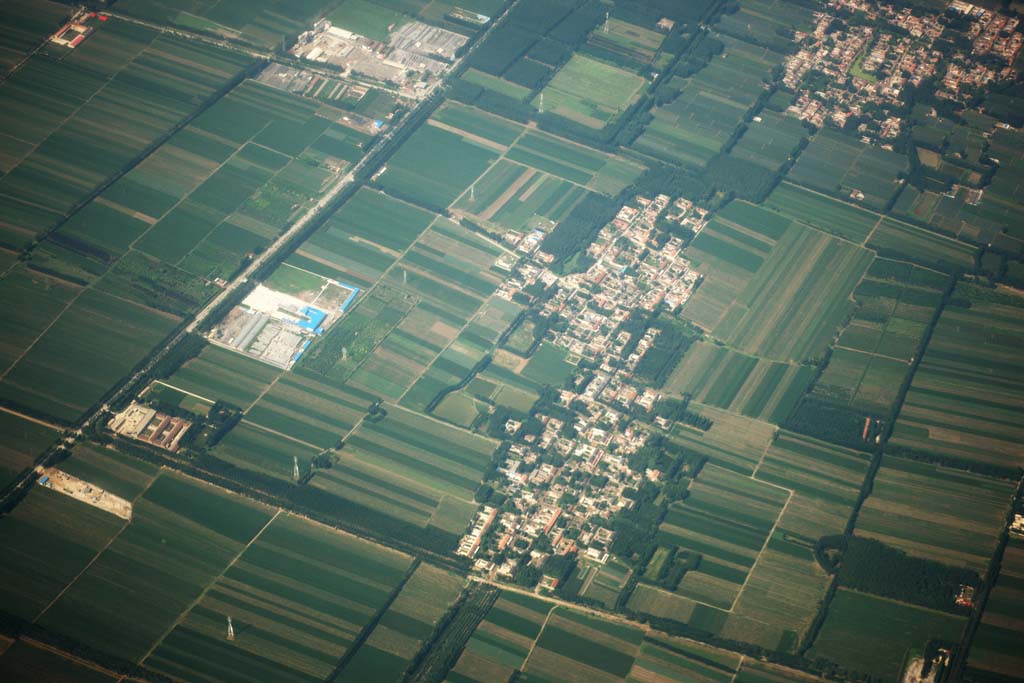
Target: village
x,y
861,56
563,481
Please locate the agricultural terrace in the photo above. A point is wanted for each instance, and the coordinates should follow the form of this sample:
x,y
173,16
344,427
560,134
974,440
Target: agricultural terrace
x,y
708,522
692,129
412,468
94,342
501,642
590,92
744,384
857,168
896,303
964,400
930,511
362,239
402,630
299,596
22,440
264,23
183,535
790,296
994,650
59,144
872,635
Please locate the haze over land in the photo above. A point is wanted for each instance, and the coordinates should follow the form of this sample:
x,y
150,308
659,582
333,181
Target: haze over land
x,y
484,341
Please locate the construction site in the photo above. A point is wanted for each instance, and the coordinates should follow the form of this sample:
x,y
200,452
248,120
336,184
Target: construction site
x,y
62,482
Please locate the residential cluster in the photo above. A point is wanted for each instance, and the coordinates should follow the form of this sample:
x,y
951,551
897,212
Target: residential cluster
x,y
846,69
565,476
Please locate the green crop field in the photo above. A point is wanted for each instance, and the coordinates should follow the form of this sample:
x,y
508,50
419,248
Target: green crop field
x,y
841,164
767,22
110,470
305,409
964,396
259,449
871,635
46,541
25,662
575,163
495,84
590,92
183,534
693,128
628,42
501,642
434,166
822,212
796,299
23,441
574,647
298,597
470,121
994,652
412,468
770,141
708,522
733,441
930,511
367,19
31,301
92,344
364,237
218,374
449,368
262,22
745,384
24,24
895,304
61,110
905,241
404,627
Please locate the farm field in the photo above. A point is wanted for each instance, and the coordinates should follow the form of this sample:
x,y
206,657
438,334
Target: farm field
x,y
68,148
93,343
363,238
24,24
905,241
852,165
871,635
772,316
23,440
408,622
574,647
964,397
895,304
934,512
411,468
31,300
590,92
693,128
555,156
263,23
25,662
822,212
47,540
183,535
994,653
298,596
708,522
744,384
626,41
434,166
218,374
734,442
766,21
770,141
256,448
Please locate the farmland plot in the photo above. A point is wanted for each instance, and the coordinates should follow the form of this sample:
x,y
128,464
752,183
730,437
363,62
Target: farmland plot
x,y
21,442
994,651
